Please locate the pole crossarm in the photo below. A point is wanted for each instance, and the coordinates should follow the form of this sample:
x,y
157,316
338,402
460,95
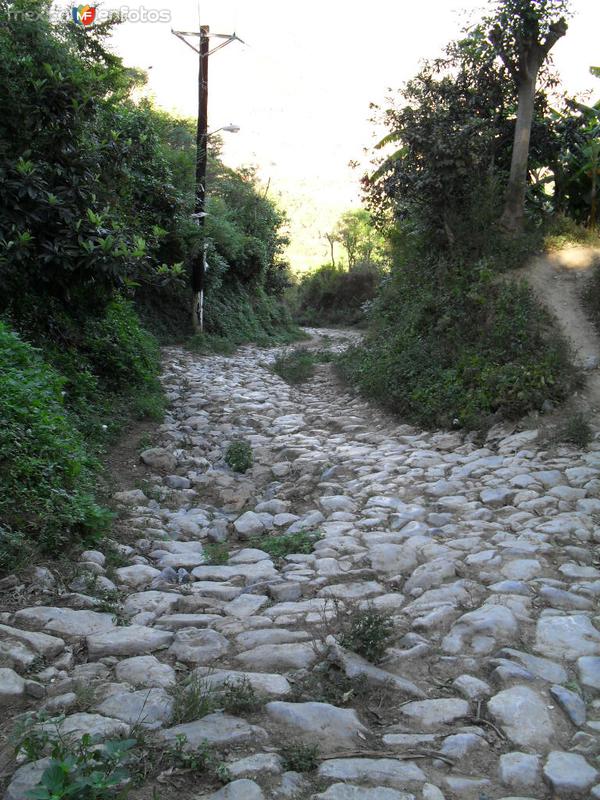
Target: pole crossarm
x,y
228,37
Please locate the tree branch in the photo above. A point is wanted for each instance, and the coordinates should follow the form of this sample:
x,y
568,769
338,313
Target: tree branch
x,y
557,31
495,37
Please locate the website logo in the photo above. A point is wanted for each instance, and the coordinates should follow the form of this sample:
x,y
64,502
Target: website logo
x,y
84,15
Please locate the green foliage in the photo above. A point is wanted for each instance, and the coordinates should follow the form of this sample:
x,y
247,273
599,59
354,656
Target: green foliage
x,y
239,697
453,348
365,631
193,699
576,430
295,366
15,550
328,684
196,697
202,759
362,242
45,471
85,767
300,757
332,295
286,544
239,456
216,554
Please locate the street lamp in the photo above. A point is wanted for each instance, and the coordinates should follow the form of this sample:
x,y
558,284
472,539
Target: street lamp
x,y
231,128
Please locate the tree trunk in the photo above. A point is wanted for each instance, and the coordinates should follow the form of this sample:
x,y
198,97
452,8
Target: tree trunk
x,y
514,209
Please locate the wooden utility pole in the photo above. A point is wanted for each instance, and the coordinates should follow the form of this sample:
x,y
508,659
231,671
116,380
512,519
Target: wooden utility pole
x,y
199,264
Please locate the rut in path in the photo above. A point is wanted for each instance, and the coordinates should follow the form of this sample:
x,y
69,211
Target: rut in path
x,y
481,559
558,280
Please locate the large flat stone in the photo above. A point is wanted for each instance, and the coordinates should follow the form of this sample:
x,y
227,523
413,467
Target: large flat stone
x,y
94,724
25,779
375,771
332,727
216,729
432,713
41,643
67,622
275,657
150,708
569,773
236,790
198,646
12,687
568,637
145,671
523,715
345,791
130,640
263,683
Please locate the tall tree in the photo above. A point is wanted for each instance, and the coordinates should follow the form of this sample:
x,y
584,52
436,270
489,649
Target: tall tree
x,y
358,237
523,32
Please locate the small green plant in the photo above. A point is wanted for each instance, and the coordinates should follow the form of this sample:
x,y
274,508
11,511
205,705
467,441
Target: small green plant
x,y
206,343
15,550
301,543
115,558
365,631
201,759
146,442
86,770
296,366
86,694
300,757
328,684
193,699
324,356
576,430
216,553
239,456
239,697
31,735
80,768
573,686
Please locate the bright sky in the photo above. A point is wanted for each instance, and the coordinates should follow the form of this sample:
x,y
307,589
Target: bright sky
x,y
300,88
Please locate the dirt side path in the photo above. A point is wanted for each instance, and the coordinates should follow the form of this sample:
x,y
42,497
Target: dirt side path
x,y
558,280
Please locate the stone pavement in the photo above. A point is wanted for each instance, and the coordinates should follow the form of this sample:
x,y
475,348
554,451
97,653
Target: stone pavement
x,y
483,558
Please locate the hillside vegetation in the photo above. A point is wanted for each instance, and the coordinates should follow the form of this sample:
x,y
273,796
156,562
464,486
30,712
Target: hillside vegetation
x,y
453,340
96,243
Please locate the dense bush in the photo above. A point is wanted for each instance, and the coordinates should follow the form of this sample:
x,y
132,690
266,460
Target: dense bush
x,y
296,366
95,207
451,346
45,471
239,456
334,295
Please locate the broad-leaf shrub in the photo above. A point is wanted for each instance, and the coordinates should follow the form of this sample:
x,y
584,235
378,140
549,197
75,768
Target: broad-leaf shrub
x,y
45,472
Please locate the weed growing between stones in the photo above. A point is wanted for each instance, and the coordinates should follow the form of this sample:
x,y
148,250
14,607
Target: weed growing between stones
x,y
287,544
239,456
80,767
202,759
296,366
216,554
193,699
576,430
328,684
362,629
300,757
240,697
